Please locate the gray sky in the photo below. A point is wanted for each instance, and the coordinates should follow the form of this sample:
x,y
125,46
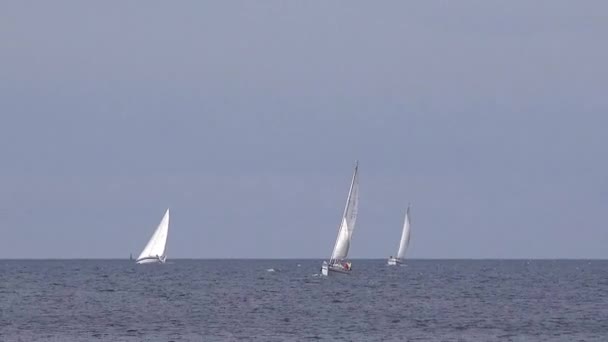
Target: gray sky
x,y
246,118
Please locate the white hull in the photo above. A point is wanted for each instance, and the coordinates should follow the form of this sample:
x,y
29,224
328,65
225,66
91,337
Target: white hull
x,y
326,269
394,261
151,260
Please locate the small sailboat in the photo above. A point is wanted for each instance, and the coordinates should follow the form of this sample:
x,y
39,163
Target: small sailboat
x,y
404,242
337,263
155,250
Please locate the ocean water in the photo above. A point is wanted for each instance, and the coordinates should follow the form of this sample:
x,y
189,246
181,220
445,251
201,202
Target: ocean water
x,y
242,300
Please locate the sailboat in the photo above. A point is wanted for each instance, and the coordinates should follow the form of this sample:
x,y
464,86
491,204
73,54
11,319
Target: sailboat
x,y
405,241
155,250
337,263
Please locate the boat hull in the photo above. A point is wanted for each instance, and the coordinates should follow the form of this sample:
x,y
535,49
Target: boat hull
x,y
151,260
326,269
394,261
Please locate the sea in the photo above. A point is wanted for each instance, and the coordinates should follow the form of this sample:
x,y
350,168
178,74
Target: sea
x,y
287,300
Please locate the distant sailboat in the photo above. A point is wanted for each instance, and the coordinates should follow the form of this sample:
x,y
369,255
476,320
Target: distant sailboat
x,y
405,241
155,250
337,261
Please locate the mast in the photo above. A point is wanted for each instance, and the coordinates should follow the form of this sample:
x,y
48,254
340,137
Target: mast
x,y
348,200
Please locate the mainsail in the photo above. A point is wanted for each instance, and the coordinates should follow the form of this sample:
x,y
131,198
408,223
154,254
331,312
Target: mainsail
x,y
349,218
155,249
405,235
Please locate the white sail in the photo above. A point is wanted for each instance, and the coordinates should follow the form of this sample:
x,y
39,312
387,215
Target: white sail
x,y
405,235
349,219
342,242
155,248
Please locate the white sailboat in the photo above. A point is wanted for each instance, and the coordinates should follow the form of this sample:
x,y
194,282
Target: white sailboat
x,y
155,250
337,262
405,241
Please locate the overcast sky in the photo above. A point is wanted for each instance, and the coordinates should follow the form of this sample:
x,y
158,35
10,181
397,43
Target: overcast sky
x,y
246,117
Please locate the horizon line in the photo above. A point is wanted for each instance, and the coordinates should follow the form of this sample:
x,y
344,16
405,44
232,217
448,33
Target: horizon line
x,y
292,258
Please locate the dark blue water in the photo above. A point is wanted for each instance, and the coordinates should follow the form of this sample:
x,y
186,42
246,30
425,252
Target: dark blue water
x,y
233,300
